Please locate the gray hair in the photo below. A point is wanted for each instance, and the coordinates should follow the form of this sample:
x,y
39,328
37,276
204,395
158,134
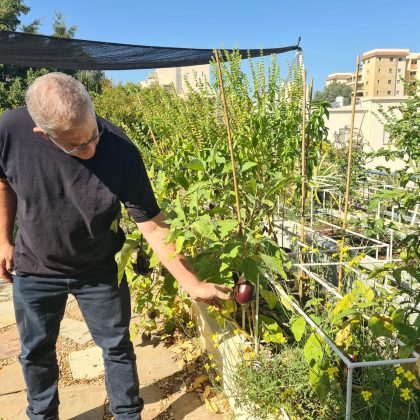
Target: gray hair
x,y
57,101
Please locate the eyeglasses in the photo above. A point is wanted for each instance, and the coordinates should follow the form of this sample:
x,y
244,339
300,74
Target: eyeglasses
x,y
82,146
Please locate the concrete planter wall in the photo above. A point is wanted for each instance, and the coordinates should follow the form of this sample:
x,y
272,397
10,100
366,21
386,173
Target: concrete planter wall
x,y
227,355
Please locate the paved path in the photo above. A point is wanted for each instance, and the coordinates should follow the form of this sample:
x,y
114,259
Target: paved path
x,y
82,392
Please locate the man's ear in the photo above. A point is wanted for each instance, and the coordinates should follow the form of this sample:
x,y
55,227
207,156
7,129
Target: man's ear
x,y
40,132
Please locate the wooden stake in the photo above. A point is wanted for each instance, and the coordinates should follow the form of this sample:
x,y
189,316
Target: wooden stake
x,y
232,157
347,194
303,185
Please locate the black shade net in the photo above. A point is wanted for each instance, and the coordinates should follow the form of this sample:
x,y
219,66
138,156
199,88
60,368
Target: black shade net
x,y
29,50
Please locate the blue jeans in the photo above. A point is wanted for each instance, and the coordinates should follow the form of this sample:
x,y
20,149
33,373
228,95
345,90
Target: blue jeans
x,y
39,306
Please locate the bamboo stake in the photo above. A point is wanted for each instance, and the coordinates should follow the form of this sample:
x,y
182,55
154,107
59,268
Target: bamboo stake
x,y
303,184
347,194
232,157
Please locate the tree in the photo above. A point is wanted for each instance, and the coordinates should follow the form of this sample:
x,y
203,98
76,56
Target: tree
x,y
60,28
333,90
15,80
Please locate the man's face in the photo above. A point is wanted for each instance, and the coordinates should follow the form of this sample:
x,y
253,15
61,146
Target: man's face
x,y
83,140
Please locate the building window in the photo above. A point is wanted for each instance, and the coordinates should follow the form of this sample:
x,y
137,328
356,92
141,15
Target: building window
x,y
413,61
377,92
412,73
400,59
391,59
380,58
379,70
367,82
397,92
399,70
390,70
389,82
388,92
378,82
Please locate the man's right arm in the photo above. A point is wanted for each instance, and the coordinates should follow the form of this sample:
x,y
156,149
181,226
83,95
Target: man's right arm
x,y
8,202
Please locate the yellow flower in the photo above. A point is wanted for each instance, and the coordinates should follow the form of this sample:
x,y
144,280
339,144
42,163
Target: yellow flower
x,y
236,331
332,371
397,382
217,378
366,395
216,345
400,370
409,376
211,356
213,365
405,394
215,337
207,366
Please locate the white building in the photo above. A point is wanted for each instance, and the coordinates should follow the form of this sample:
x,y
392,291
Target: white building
x,y
178,78
368,124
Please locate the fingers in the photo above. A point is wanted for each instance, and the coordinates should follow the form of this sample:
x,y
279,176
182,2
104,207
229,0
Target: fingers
x,y
9,265
5,274
223,292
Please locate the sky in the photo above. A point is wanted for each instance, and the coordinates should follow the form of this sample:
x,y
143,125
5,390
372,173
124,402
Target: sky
x,y
333,32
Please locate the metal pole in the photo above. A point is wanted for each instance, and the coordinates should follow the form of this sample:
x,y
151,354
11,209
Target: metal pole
x,y
349,392
349,162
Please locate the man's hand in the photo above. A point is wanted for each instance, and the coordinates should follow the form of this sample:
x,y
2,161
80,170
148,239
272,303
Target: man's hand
x,y
6,262
210,293
156,231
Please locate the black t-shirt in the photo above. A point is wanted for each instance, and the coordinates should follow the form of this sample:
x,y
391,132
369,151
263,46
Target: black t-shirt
x,y
66,205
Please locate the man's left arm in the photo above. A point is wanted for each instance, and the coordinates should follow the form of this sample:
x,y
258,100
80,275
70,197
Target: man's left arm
x,y
156,232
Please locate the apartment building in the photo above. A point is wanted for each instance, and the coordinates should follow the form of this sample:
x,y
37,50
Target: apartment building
x,y
346,78
179,78
381,71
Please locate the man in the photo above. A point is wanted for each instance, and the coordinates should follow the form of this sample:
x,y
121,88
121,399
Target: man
x,y
64,172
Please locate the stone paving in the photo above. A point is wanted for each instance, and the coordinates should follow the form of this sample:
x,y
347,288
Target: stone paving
x,y
84,399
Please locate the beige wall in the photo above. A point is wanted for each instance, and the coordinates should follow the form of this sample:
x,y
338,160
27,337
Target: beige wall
x,y
367,121
346,78
178,77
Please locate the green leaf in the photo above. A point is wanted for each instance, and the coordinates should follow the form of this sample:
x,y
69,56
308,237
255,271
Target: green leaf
x,y
154,261
196,165
313,349
226,226
286,303
205,227
274,264
123,257
379,328
250,268
407,333
179,243
298,328
248,165
406,351
269,297
398,316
